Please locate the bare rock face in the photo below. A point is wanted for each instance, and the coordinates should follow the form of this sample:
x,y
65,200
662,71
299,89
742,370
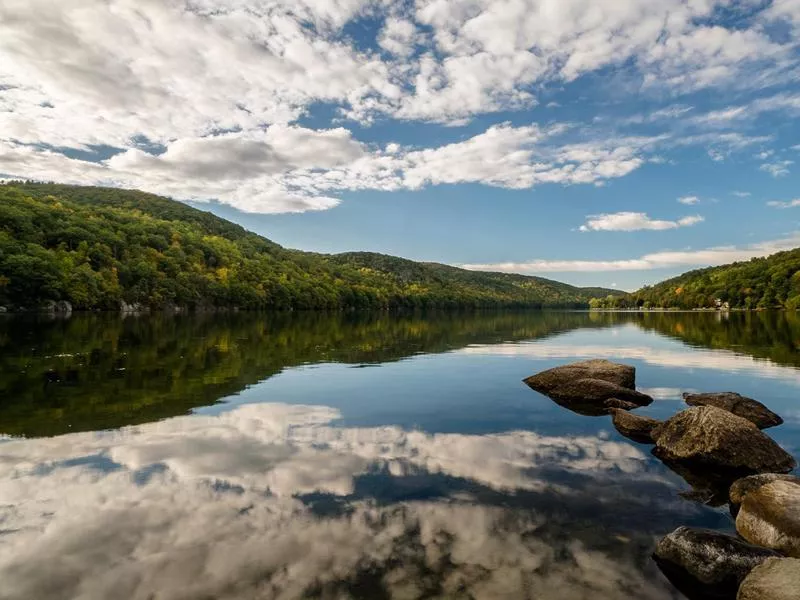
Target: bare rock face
x,y
547,381
705,564
712,437
741,406
774,579
745,485
770,516
634,427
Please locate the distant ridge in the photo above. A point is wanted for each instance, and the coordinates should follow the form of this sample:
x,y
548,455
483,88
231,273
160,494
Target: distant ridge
x,y
759,283
103,248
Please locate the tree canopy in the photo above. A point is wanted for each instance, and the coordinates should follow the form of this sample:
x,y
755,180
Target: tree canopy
x,y
771,282
97,247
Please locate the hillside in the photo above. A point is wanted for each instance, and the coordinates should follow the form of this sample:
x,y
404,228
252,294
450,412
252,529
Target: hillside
x,y
97,247
771,282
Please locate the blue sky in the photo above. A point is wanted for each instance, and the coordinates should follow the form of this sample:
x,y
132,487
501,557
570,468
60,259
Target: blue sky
x,y
606,143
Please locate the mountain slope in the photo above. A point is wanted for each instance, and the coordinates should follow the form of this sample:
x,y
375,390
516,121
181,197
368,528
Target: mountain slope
x,y
96,247
771,282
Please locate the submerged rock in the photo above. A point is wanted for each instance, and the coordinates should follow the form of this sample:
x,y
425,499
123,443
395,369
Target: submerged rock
x,y
739,405
617,403
705,564
741,487
773,579
547,381
770,516
634,427
711,437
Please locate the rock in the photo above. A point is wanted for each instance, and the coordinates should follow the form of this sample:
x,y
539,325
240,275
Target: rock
x,y
741,487
705,564
634,427
596,392
64,307
3,309
773,579
547,381
133,307
617,403
714,438
770,516
741,406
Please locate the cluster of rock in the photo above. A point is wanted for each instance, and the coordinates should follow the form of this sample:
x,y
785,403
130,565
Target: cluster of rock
x,y
717,445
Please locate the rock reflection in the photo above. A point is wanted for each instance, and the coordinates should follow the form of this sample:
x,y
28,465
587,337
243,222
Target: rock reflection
x,y
232,507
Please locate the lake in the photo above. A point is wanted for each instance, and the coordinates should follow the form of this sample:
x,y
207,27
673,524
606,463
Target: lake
x,y
354,456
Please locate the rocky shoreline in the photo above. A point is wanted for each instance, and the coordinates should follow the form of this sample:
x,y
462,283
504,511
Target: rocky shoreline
x,y
719,447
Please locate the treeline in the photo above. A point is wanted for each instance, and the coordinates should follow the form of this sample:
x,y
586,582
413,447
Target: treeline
x,y
98,247
760,283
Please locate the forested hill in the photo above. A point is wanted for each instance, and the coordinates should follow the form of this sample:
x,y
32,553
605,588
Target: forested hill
x,y
771,282
98,247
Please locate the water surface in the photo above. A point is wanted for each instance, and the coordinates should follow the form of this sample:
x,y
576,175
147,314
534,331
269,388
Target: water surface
x,y
353,456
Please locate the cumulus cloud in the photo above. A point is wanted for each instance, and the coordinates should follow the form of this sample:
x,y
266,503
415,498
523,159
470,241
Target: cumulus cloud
x,y
719,255
286,168
689,200
635,221
222,83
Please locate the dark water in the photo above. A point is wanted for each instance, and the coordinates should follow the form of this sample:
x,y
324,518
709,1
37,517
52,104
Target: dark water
x,y
352,456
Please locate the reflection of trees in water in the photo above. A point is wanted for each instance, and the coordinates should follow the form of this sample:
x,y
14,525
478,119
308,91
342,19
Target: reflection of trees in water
x,y
98,371
774,335
95,372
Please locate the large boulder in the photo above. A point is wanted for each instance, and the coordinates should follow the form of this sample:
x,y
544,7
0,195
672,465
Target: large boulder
x,y
745,485
634,427
741,406
547,381
705,564
773,579
770,516
714,438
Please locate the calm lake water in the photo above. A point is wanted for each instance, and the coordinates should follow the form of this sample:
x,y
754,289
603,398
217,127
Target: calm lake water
x,y
353,456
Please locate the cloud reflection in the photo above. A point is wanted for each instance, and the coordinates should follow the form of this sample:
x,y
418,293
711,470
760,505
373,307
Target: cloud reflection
x,y
213,507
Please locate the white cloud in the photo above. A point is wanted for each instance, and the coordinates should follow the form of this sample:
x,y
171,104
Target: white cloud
x,y
689,200
634,221
778,168
399,36
293,169
719,255
215,75
742,194
788,204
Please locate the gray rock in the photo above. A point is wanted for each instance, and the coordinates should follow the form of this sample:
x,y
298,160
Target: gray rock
x,y
634,427
547,381
773,579
770,516
712,437
3,309
595,392
705,564
63,307
133,307
741,487
617,403
741,406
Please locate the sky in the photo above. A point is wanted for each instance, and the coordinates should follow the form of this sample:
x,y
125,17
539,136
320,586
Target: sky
x,y
598,142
